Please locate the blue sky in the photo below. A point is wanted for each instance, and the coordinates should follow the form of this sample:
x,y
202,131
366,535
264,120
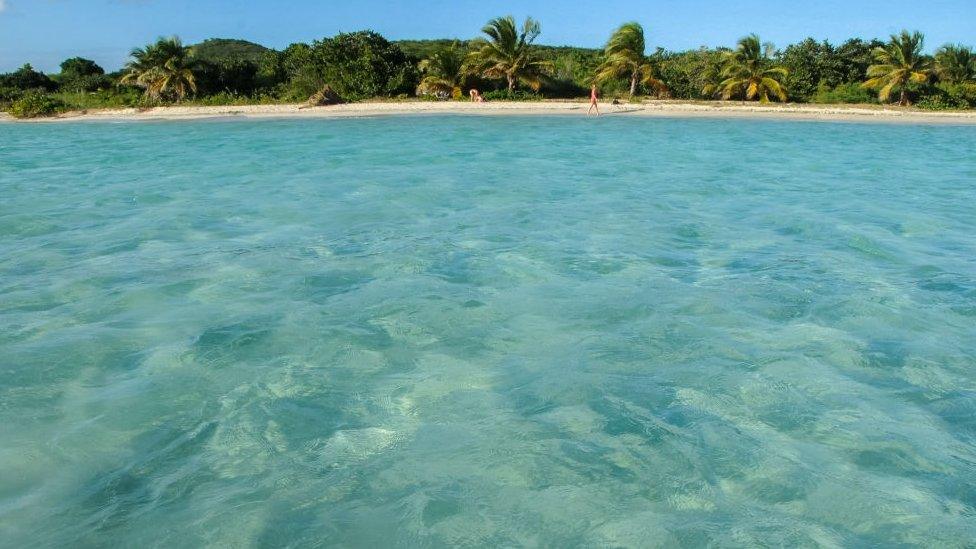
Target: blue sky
x,y
44,32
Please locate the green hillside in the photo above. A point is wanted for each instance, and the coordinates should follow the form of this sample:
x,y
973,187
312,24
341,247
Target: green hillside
x,y
216,50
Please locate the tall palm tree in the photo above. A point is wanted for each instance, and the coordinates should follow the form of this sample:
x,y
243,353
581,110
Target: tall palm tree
x,y
508,53
955,63
899,64
443,72
748,72
625,58
163,69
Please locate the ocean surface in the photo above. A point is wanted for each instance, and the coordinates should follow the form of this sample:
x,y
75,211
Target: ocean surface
x,y
497,331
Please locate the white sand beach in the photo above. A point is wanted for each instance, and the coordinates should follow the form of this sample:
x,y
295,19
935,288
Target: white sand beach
x,y
684,109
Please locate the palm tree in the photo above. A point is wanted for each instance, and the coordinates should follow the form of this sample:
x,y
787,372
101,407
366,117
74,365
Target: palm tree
x,y
955,63
163,69
443,71
625,58
508,53
899,64
748,72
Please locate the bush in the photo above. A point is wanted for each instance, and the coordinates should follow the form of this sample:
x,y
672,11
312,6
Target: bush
x,y
232,99
685,73
844,93
363,64
517,95
8,95
238,77
82,75
87,83
945,97
26,78
35,104
112,98
963,94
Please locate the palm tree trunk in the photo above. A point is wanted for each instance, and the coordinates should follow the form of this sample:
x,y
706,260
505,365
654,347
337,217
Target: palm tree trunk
x,y
633,85
904,97
511,83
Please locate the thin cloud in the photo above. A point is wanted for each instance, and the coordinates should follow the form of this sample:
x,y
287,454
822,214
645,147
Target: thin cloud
x,y
3,6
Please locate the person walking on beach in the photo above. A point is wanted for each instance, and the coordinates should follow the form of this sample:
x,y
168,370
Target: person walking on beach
x,y
593,104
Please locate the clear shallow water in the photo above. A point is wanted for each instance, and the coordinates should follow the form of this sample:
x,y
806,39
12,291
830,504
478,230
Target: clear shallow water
x,y
487,331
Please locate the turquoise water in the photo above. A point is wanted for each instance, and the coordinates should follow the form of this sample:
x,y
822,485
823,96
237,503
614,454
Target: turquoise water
x,y
487,332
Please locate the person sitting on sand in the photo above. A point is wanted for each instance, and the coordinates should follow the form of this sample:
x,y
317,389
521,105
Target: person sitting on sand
x,y
476,96
593,104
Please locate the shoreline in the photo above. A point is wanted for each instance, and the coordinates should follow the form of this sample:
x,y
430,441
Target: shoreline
x,y
659,109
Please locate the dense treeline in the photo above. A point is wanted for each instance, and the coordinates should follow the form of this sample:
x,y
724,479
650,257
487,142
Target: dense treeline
x,y
505,62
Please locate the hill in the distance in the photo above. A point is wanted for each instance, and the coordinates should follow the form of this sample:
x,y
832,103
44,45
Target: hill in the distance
x,y
228,49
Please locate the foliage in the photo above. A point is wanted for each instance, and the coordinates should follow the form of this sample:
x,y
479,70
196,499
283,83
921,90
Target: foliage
x,y
855,56
358,65
418,50
443,72
748,73
625,57
811,65
79,66
571,69
688,73
947,96
955,64
365,65
26,78
848,93
230,99
899,65
295,71
163,69
508,53
217,50
110,98
36,104
232,76
230,66
516,95
8,95
82,75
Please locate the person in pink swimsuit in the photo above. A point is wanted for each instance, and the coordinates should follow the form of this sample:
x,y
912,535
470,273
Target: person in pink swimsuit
x,y
593,104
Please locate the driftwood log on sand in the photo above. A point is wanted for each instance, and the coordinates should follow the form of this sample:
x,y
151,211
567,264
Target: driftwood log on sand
x,y
323,98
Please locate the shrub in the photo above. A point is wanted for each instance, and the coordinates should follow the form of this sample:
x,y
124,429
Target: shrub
x,y
963,94
686,73
363,64
8,95
26,78
35,104
82,75
87,83
946,97
232,99
844,93
517,95
112,98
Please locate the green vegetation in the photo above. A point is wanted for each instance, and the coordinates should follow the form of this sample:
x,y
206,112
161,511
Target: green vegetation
x,y
164,70
505,63
955,64
899,65
750,73
508,53
34,104
624,57
443,72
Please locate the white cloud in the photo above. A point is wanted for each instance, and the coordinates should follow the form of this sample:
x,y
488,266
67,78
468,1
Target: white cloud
x,y
3,5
